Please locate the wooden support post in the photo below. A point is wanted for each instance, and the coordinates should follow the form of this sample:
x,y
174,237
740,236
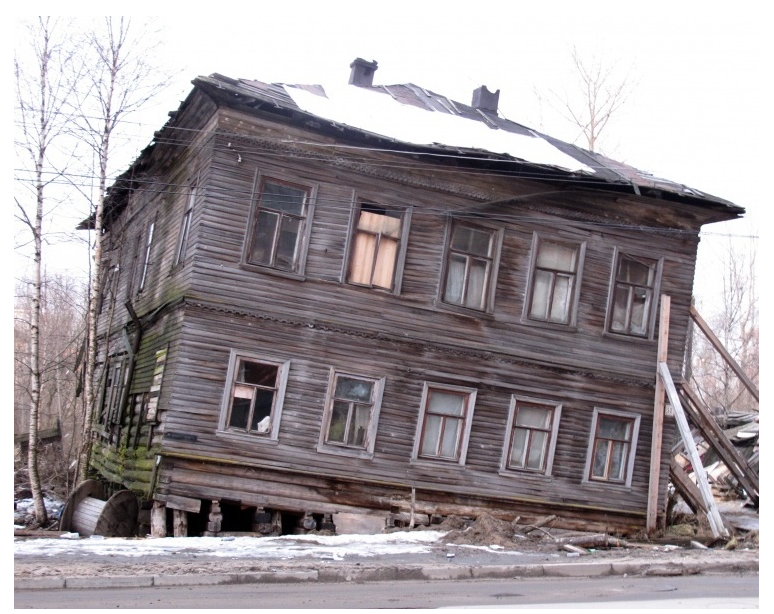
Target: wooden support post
x,y
654,489
180,523
215,520
159,519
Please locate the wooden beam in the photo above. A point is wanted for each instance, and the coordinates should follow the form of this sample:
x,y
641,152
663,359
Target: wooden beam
x,y
713,515
687,489
724,353
654,488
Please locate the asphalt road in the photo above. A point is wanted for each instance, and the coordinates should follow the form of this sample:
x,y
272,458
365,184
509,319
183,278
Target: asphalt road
x,y
713,592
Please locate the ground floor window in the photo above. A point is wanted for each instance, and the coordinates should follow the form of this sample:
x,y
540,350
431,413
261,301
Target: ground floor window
x,y
612,445
531,436
446,414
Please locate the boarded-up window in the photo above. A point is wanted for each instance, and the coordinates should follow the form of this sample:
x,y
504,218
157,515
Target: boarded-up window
x,y
531,437
445,419
632,296
469,266
375,247
555,279
278,226
612,447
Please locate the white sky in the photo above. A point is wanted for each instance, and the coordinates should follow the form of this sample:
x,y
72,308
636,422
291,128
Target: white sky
x,y
698,113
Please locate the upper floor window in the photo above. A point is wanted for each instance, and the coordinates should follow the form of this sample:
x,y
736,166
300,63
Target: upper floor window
x,y
555,280
470,267
254,395
185,226
444,424
351,413
278,232
531,436
632,295
147,259
613,442
376,246
115,380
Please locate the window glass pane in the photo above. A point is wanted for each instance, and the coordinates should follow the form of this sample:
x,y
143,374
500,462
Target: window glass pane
x,y
446,403
455,278
264,399
537,449
480,242
635,272
560,303
620,306
385,263
240,410
380,223
557,257
451,431
338,421
257,373
617,461
263,238
533,416
362,262
359,426
518,448
540,294
477,275
611,428
461,238
640,310
283,198
431,435
286,246
354,389
600,459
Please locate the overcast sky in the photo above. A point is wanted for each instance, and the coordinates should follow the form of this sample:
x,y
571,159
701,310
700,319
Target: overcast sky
x,y
698,112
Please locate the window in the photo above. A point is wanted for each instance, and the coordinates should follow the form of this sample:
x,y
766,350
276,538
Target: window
x,y
631,296
351,413
115,377
444,423
470,266
254,396
277,236
146,260
185,227
555,281
612,446
376,246
531,436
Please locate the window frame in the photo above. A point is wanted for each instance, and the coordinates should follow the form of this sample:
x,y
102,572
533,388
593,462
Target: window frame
x,y
302,239
572,316
181,251
629,457
467,421
280,387
488,295
112,392
147,258
548,460
618,255
400,257
367,451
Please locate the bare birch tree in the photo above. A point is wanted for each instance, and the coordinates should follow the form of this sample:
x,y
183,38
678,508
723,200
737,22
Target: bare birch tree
x,y
599,94
122,79
44,83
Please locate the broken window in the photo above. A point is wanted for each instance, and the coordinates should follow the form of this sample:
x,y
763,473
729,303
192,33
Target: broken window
x,y
110,406
277,234
470,266
632,293
531,436
611,452
185,226
555,281
351,412
444,422
375,247
254,400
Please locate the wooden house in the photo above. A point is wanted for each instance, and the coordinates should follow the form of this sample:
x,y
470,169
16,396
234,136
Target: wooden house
x,y
368,299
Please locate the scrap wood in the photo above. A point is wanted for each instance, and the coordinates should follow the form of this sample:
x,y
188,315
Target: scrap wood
x,y
593,541
575,549
537,525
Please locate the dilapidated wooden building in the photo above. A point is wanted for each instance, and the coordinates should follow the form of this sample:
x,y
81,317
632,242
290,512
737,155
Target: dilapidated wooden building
x,y
374,299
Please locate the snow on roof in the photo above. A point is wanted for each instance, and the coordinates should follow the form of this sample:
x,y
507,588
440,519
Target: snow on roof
x,y
374,111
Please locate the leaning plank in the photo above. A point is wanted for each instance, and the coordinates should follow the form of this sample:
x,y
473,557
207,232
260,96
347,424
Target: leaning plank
x,y
654,482
713,515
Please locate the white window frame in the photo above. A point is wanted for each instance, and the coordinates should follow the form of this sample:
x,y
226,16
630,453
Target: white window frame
x,y
613,413
400,258
467,421
147,259
367,451
618,254
548,462
302,239
185,225
572,316
488,295
283,366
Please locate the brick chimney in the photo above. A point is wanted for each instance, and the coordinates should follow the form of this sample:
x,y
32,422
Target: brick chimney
x,y
362,72
485,100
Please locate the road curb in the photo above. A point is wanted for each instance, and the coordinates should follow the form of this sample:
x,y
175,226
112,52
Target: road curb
x,y
394,573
